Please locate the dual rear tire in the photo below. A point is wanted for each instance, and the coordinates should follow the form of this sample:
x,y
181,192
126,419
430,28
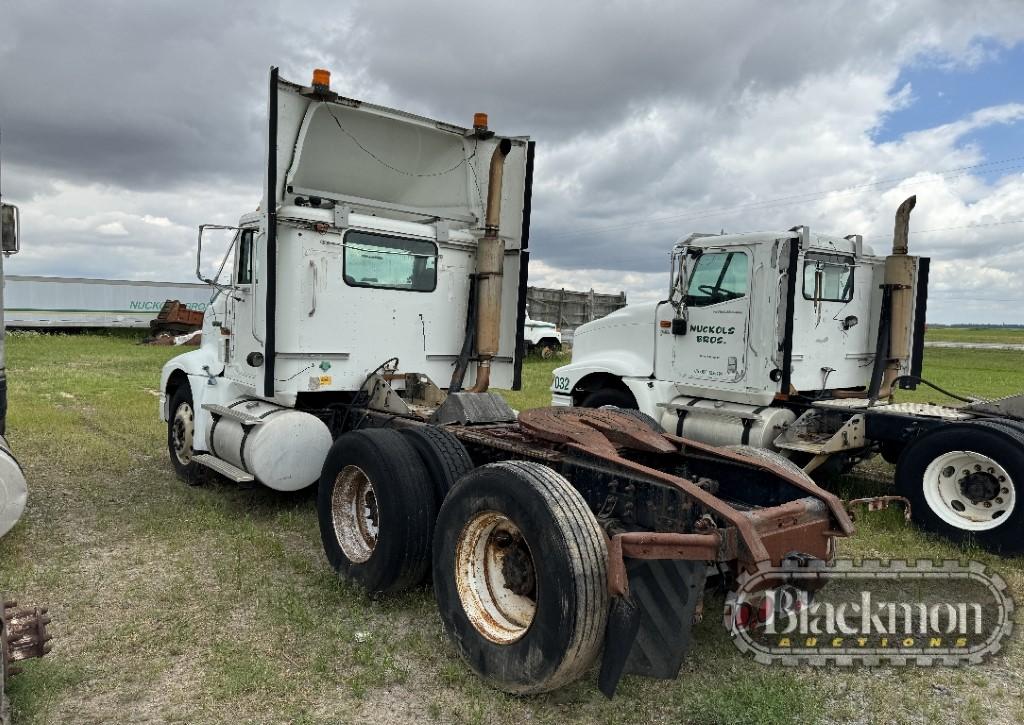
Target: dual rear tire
x,y
518,560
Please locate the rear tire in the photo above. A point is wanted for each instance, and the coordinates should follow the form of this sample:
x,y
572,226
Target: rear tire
x,y
181,436
443,455
964,480
376,508
520,576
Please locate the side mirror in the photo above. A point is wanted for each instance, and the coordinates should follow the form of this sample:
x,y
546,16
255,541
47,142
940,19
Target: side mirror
x,y
9,229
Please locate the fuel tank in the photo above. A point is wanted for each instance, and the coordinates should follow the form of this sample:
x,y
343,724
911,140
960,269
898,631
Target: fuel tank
x,y
721,423
281,447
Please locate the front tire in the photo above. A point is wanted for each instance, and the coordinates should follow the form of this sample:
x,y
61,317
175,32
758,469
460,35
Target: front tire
x,y
181,436
376,509
520,576
615,397
964,481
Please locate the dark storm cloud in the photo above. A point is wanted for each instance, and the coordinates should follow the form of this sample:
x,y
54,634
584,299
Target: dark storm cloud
x,y
138,94
115,113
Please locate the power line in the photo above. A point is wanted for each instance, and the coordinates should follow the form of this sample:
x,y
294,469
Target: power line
x,y
965,226
1008,164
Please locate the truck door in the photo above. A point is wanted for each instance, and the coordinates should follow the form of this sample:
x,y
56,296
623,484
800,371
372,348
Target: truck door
x,y
241,338
713,347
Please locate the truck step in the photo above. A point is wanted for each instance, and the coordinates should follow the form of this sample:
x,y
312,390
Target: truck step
x,y
223,468
241,416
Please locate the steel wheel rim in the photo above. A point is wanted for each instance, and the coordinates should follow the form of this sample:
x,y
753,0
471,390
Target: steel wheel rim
x,y
489,583
182,432
354,514
969,490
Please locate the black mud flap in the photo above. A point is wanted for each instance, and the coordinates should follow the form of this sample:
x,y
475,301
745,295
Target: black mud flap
x,y
649,634
623,625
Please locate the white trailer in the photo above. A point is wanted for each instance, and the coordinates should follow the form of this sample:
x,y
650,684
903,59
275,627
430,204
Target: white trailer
x,y
796,342
58,302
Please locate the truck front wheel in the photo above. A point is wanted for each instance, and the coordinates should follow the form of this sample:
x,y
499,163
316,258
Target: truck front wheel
x,y
964,480
376,509
180,435
520,576
615,397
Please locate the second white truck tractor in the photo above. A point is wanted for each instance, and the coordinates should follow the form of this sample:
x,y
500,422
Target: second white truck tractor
x,y
795,342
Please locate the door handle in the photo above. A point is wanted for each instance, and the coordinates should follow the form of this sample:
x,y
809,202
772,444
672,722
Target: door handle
x,y
312,307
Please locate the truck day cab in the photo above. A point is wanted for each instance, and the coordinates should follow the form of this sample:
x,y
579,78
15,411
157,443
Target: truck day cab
x,y
389,252
795,342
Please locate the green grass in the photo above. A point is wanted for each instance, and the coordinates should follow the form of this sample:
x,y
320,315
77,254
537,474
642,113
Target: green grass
x,y
1004,335
215,603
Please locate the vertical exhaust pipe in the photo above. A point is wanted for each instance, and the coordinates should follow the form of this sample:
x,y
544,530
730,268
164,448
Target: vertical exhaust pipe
x,y
490,262
900,271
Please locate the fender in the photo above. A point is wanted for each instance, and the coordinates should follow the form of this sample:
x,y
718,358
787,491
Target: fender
x,y
199,363
621,364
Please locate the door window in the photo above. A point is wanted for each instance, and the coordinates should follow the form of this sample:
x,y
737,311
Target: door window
x,y
243,269
717,277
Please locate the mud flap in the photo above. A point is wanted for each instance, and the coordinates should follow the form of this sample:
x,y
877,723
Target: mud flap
x,y
649,633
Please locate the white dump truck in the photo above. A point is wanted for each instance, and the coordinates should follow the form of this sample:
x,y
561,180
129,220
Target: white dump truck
x,y
794,342
541,337
368,306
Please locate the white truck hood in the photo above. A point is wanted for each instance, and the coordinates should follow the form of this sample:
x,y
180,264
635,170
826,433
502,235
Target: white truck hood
x,y
388,162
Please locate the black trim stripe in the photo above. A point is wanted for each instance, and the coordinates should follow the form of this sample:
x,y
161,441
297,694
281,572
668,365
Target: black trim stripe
x,y
920,322
787,335
524,271
271,202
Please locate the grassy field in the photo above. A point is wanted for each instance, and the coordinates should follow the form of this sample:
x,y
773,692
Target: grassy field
x,y
216,604
1005,335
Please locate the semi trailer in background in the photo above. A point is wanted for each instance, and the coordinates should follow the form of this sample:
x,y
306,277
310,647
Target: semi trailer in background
x,y
63,302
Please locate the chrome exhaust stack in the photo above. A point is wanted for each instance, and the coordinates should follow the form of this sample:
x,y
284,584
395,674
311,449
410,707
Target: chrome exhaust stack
x,y
490,261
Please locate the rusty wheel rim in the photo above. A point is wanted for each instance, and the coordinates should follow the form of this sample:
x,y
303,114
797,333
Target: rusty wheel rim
x,y
182,433
495,577
354,514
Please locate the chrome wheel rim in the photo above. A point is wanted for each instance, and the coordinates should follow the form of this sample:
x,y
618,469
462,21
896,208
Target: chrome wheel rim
x,y
182,432
354,514
495,577
969,490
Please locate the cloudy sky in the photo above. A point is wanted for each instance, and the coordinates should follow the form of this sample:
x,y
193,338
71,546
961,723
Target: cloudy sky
x,y
128,123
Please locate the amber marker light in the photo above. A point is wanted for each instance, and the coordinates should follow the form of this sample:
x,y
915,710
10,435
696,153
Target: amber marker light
x,y
322,78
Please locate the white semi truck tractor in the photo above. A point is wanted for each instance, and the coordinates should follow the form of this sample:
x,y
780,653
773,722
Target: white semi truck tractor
x,y
795,342
371,301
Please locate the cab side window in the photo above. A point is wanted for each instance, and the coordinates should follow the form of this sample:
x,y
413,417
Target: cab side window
x,y
244,256
828,278
717,277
